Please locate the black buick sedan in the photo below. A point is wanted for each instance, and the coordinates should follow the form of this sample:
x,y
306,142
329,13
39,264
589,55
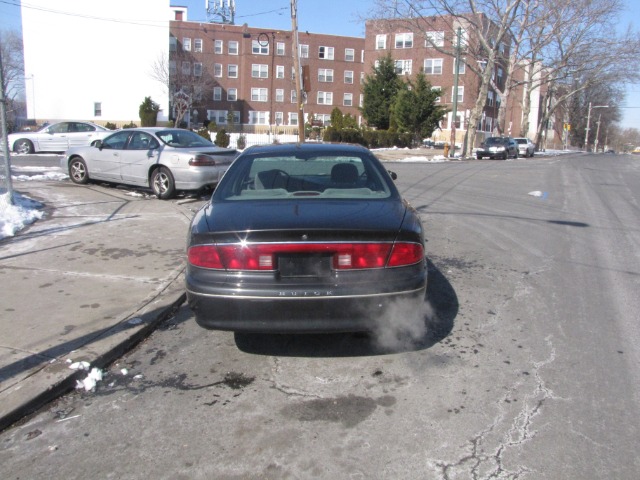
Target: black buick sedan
x,y
304,238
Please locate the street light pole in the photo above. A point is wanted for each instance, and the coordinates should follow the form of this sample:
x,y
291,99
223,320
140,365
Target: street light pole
x,y
586,135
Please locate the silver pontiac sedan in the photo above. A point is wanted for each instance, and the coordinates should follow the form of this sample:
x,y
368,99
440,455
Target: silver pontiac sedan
x,y
57,137
164,159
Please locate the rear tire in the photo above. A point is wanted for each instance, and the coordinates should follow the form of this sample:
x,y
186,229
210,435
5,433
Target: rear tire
x,y
78,172
23,146
162,183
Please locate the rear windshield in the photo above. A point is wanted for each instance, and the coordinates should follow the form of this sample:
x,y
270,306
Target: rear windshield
x,y
183,139
309,176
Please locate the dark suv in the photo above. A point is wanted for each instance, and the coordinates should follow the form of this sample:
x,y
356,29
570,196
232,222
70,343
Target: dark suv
x,y
498,148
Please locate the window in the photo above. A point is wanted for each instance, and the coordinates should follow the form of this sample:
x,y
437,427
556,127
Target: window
x,y
197,69
304,51
324,118
325,53
259,71
232,48
279,94
348,76
460,93
258,49
236,116
172,67
217,47
438,99
280,48
433,66
279,118
434,39
186,44
217,70
463,67
279,71
361,104
197,45
403,67
173,44
218,116
381,42
97,109
186,68
464,36
325,98
294,96
258,118
404,40
293,119
325,75
258,94
349,54
217,94
232,94
490,98
361,78
348,100
232,71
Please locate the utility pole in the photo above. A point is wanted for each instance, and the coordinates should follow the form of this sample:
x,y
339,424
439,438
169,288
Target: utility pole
x,y
454,113
298,69
5,141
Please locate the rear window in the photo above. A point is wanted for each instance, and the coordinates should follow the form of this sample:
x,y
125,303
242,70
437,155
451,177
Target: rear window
x,y
309,176
496,141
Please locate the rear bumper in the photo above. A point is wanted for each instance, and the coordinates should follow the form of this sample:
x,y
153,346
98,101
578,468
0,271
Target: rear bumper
x,y
302,314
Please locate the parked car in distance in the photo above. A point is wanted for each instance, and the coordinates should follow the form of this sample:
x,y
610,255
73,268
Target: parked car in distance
x,y
302,238
57,137
498,148
526,148
163,159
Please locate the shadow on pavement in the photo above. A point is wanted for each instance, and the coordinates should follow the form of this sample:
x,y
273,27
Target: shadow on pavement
x,y
439,322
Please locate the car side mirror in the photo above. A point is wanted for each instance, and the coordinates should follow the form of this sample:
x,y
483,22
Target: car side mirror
x,y
98,144
394,175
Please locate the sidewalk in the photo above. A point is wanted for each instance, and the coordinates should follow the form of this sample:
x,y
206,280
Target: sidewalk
x,y
90,279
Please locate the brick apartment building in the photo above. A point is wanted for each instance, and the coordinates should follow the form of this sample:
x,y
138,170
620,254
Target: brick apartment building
x,y
245,75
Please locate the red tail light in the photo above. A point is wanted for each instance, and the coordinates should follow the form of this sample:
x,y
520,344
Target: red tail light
x,y
345,256
201,160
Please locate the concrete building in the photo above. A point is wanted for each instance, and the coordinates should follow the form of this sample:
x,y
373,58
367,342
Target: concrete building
x,y
90,60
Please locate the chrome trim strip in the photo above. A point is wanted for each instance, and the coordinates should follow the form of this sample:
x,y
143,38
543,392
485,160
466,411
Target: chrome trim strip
x,y
302,297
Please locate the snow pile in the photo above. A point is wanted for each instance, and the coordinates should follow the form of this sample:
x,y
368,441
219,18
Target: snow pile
x,y
14,217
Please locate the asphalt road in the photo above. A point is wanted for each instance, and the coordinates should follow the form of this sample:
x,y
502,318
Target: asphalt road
x,y
528,369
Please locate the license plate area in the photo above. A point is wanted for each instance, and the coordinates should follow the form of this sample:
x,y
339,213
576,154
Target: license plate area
x,y
304,265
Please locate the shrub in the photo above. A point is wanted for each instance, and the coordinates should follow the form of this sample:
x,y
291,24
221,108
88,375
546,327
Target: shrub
x,y
149,112
222,138
130,125
110,126
204,133
241,144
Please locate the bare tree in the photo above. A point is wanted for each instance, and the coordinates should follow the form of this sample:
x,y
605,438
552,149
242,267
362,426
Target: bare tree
x,y
12,72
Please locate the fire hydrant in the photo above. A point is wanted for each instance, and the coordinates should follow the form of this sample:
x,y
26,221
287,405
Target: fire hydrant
x,y
446,149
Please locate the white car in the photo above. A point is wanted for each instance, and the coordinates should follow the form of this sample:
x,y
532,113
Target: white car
x,y
526,148
57,137
163,159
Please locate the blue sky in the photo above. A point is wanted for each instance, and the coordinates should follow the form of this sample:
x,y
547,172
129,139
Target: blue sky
x,y
336,17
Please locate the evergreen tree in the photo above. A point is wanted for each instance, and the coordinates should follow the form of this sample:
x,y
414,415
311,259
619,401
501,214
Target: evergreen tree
x,y
379,92
415,109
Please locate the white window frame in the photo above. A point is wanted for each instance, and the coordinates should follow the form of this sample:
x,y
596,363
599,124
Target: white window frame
x,y
258,49
186,68
347,101
293,118
463,66
279,95
294,96
197,45
325,98
403,67
232,95
436,66
349,55
304,51
381,41
259,70
348,77
280,49
279,118
460,93
197,69
217,70
404,40
325,75
258,117
173,44
259,95
217,94
438,99
326,53
232,70
186,44
434,39
232,47
279,71
218,47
